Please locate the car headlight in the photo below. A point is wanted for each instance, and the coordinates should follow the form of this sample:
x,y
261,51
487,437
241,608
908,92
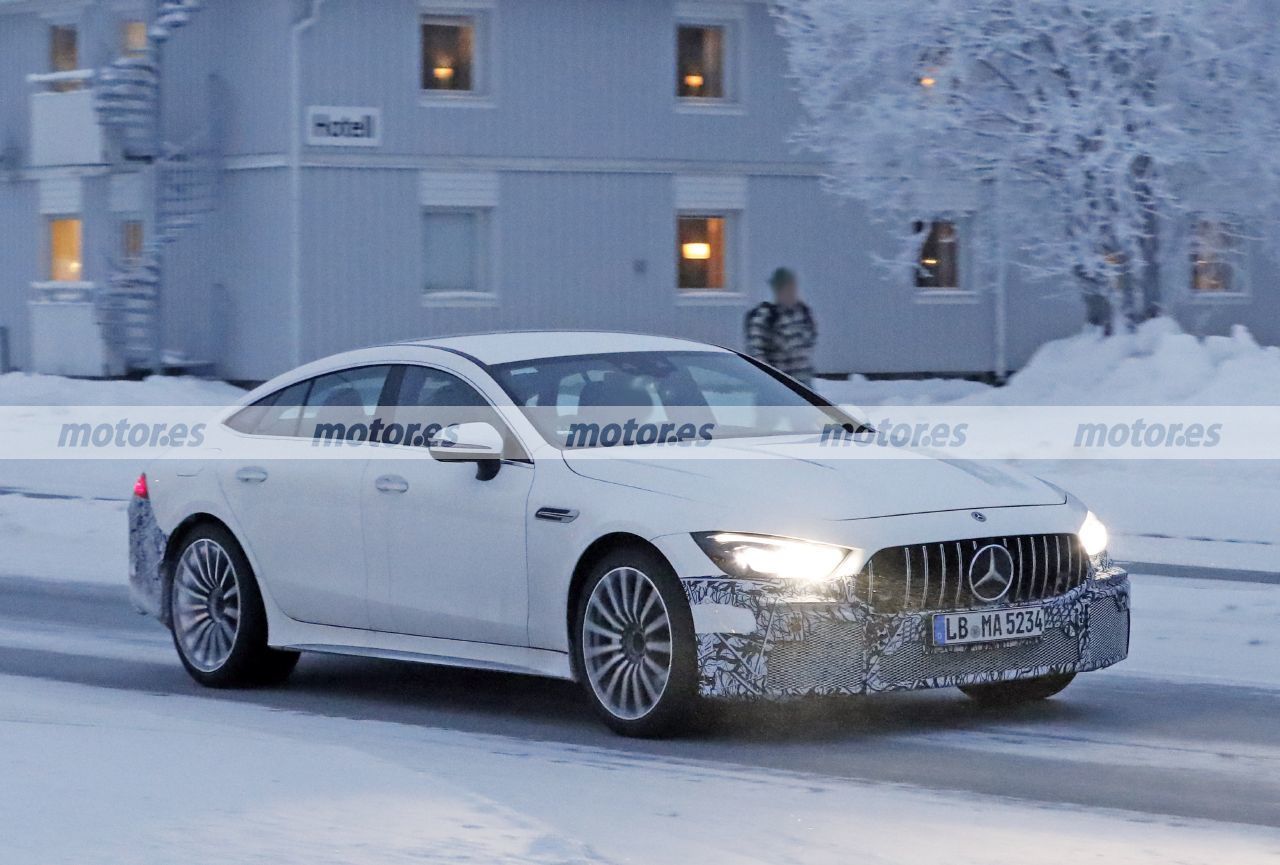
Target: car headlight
x,y
756,557
1093,535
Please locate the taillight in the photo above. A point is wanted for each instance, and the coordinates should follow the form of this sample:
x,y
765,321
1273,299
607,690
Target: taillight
x,y
140,486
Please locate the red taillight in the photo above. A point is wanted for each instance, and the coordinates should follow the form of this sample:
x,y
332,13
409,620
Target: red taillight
x,y
140,486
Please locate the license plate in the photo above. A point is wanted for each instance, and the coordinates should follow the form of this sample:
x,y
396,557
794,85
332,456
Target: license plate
x,y
987,626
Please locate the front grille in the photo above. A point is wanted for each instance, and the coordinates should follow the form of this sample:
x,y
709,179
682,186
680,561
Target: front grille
x,y
936,576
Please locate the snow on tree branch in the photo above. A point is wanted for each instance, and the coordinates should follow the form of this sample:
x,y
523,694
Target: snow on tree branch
x,y
1099,119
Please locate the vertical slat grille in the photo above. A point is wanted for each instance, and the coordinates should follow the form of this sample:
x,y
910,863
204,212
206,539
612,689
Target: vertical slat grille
x,y
936,576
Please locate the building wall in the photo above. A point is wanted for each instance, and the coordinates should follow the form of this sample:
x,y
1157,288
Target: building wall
x,y
590,150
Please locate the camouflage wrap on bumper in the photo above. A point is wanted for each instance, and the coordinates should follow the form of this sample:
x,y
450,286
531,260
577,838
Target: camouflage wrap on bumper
x,y
811,640
146,558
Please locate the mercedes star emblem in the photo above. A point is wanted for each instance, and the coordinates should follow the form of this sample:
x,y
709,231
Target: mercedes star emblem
x,y
991,573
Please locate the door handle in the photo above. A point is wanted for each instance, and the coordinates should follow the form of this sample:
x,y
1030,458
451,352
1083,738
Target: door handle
x,y
251,475
391,484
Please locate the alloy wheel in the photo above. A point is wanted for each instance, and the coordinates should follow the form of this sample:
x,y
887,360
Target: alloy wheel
x,y
206,605
626,643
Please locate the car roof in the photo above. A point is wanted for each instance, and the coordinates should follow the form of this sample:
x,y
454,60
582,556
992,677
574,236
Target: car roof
x,y
515,346
490,348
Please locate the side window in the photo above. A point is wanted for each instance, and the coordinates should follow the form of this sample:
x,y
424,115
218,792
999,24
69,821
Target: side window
x,y
938,268
428,400
332,405
342,405
274,415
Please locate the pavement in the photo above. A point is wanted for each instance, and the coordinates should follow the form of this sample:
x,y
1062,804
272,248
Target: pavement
x,y
1173,749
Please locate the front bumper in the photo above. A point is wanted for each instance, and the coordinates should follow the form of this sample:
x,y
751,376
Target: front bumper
x,y
765,639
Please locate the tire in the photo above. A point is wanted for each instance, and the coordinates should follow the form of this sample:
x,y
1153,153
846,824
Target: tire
x,y
1020,691
640,684
218,622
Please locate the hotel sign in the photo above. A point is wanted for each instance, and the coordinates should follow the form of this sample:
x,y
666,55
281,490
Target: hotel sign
x,y
338,126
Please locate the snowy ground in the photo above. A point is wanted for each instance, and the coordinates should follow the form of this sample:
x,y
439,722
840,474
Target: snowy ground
x,y
120,776
65,519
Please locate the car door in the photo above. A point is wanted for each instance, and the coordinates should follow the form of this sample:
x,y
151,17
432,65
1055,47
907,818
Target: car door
x,y
448,546
294,484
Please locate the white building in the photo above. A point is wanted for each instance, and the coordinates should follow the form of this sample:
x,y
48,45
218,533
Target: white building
x,y
336,173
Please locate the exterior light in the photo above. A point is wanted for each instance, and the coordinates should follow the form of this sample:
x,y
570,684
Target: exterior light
x,y
928,81
693,81
442,73
750,556
696,251
1093,535
930,262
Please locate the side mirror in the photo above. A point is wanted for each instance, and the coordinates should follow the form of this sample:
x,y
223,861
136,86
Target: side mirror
x,y
476,443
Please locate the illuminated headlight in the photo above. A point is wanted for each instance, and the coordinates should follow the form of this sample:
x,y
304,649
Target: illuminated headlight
x,y
754,557
1093,535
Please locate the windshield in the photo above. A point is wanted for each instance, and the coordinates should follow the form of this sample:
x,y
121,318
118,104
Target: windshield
x,y
607,400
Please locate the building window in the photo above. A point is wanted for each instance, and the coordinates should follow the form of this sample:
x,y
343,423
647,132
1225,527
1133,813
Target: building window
x,y
453,245
65,260
64,56
938,264
449,55
133,38
131,240
702,253
1213,252
700,62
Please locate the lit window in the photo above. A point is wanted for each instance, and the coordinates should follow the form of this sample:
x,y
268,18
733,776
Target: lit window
x,y
131,240
700,60
64,55
932,61
133,38
1213,247
453,249
939,262
700,252
448,55
65,252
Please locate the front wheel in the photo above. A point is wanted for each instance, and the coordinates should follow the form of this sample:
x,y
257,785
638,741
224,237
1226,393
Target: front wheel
x,y
1020,691
634,643
219,623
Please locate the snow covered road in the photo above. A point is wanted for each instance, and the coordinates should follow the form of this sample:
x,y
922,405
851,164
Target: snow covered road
x,y
108,753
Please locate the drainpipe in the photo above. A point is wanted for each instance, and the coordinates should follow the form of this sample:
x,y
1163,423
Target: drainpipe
x,y
300,26
1001,306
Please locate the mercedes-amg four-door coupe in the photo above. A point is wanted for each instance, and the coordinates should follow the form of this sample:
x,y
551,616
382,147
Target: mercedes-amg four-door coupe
x,y
664,521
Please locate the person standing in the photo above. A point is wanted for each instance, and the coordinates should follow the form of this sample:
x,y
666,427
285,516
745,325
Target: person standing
x,y
782,332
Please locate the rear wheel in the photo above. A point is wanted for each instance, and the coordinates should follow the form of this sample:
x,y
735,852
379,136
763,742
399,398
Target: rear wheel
x,y
635,646
219,623
1020,691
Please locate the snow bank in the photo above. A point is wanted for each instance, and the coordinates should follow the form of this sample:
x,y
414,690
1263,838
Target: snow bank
x,y
860,391
1207,513
22,523
1158,364
20,388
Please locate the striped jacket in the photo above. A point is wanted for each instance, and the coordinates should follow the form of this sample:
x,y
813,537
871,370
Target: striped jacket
x,y
783,338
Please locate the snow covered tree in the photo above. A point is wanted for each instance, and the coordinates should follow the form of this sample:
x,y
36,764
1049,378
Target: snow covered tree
x,y
1096,119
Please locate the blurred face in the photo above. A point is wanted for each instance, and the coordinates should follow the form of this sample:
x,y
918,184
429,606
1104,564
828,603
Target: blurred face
x,y
787,293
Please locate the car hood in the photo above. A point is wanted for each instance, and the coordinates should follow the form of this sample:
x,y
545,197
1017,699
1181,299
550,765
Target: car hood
x,y
787,473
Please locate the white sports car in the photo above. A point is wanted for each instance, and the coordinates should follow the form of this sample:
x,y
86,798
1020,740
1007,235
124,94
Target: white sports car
x,y
647,516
